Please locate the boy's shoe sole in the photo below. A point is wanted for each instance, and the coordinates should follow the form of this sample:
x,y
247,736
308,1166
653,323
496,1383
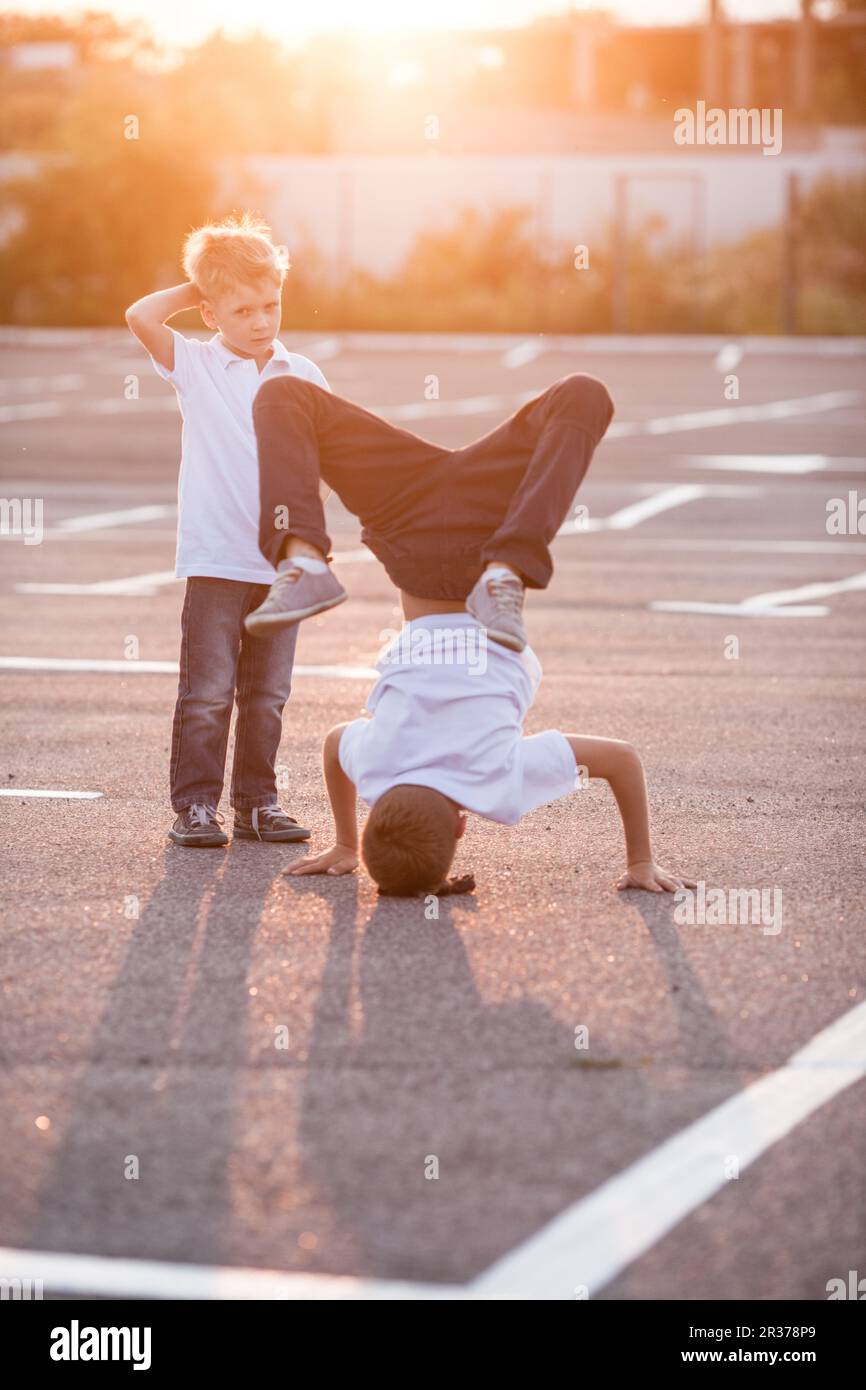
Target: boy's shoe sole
x,y
215,841
288,837
482,605
256,623
505,639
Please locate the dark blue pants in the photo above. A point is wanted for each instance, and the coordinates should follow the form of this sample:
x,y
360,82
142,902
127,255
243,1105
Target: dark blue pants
x,y
221,663
434,516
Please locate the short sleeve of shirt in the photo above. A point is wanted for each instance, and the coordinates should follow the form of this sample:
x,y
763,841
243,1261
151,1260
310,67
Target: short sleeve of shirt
x,y
303,367
548,769
187,352
350,747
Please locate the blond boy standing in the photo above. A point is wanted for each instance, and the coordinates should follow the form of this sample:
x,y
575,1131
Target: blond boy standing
x,y
235,277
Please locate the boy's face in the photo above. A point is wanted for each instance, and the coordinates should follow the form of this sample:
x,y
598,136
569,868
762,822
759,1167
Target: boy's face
x,y
247,316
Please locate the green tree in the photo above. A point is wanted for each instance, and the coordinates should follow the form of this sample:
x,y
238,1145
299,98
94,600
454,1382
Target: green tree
x,y
98,227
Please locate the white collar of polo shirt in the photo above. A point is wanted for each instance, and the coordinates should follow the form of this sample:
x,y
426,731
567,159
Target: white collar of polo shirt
x,y
280,354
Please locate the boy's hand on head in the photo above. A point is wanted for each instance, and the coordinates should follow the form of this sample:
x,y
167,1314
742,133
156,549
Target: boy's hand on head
x,y
653,878
339,859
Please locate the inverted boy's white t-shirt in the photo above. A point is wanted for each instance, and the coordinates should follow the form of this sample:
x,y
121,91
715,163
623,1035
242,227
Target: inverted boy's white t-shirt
x,y
218,484
447,712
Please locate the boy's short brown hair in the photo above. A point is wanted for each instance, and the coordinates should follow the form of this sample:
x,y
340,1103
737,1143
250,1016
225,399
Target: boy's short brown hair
x,y
237,250
409,840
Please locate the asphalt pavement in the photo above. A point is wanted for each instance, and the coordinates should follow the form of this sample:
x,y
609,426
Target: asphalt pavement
x,y
206,1062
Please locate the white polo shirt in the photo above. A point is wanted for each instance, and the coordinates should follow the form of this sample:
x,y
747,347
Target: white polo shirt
x,y
447,712
218,485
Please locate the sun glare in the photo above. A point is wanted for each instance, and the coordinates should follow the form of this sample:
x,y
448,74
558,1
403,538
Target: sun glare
x,y
180,25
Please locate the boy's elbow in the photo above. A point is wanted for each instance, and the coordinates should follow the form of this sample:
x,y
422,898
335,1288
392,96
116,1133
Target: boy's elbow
x,y
331,744
139,313
622,760
628,754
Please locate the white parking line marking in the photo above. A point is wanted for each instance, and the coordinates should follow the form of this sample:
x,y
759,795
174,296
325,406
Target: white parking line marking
x,y
353,557
736,610
146,533
64,796
782,603
522,353
728,358
102,491
125,1278
759,547
806,592
119,405
466,405
324,349
597,1238
636,512
101,521
43,410
774,463
136,586
30,385
734,415
146,585
160,668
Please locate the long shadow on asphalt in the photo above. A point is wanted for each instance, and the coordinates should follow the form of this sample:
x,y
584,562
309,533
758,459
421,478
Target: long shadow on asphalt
x,y
153,1087
436,1128
445,1129
699,1032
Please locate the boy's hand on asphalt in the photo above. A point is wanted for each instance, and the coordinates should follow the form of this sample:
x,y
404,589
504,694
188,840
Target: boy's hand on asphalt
x,y
653,878
339,859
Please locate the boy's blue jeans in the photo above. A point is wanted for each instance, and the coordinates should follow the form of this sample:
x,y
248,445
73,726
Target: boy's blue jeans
x,y
221,663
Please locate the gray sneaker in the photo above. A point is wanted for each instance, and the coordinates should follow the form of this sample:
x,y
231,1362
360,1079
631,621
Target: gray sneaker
x,y
295,594
269,823
198,826
497,604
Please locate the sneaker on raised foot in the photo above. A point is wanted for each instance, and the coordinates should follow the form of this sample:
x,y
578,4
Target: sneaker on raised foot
x,y
497,603
198,827
268,823
296,593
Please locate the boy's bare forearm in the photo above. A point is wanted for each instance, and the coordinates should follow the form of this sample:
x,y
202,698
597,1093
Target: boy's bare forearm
x,y
622,769
341,792
628,785
619,765
164,304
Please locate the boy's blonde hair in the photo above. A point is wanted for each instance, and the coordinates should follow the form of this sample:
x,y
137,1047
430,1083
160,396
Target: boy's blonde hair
x,y
409,840
236,251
